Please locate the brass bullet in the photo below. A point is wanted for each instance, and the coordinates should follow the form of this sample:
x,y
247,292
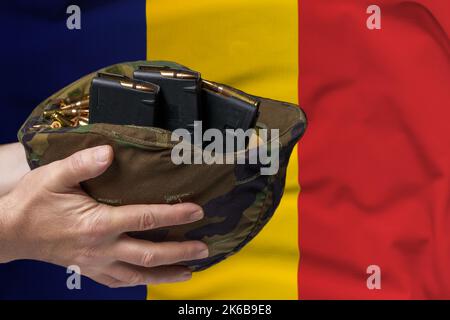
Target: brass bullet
x,y
137,86
229,92
170,73
178,75
41,126
143,87
127,82
84,103
55,125
48,114
75,122
57,116
66,113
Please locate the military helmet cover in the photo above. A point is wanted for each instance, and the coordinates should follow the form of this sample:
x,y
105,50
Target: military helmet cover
x,y
237,199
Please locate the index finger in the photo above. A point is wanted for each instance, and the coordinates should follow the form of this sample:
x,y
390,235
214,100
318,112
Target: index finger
x,y
146,217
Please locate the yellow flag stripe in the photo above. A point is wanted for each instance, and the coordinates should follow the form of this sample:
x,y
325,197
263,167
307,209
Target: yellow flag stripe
x,y
251,45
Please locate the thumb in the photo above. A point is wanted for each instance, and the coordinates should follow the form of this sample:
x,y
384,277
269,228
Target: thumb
x,y
80,166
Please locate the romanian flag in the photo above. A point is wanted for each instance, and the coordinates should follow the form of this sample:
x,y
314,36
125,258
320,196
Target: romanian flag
x,y
366,209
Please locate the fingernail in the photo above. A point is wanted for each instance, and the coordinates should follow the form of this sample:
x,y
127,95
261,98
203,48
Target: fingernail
x,y
197,215
102,154
203,253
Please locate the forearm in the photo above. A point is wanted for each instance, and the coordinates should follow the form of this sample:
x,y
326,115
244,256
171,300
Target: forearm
x,y
13,166
6,248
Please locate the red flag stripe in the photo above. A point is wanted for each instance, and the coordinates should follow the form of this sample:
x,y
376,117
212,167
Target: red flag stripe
x,y
374,164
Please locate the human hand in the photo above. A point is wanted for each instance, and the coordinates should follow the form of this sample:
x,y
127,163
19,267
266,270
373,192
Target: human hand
x,y
48,217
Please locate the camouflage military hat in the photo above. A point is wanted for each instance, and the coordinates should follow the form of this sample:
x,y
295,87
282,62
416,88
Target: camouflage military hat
x,y
237,199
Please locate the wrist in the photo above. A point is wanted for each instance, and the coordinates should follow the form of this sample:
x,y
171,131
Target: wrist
x,y
8,250
13,166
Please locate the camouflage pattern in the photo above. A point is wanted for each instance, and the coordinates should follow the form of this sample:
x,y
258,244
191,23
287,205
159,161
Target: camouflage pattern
x,y
238,201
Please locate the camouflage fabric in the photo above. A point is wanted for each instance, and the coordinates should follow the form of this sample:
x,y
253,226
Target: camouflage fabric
x,y
237,200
